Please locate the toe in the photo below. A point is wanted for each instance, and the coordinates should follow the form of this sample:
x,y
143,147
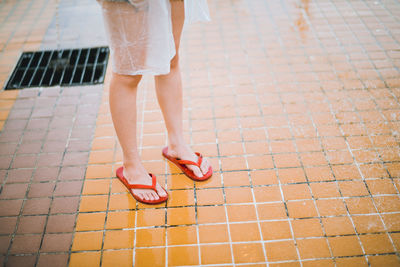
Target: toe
x,y
160,191
142,196
150,196
196,171
205,166
155,196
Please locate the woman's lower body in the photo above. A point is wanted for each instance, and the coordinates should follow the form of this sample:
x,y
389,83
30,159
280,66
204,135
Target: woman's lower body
x,y
123,93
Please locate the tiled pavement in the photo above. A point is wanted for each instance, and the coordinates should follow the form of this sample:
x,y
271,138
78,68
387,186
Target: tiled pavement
x,y
295,102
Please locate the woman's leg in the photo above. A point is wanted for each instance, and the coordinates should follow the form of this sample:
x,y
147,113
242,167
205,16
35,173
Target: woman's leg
x,y
122,99
169,95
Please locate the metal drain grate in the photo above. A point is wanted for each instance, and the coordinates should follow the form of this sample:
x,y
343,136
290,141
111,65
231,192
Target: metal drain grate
x,y
66,67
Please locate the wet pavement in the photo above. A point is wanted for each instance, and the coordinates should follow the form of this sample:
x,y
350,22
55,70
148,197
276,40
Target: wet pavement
x,y
295,102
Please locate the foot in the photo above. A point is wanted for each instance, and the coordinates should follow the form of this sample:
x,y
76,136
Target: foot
x,y
140,176
186,153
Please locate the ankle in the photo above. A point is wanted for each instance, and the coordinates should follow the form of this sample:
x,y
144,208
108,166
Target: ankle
x,y
176,142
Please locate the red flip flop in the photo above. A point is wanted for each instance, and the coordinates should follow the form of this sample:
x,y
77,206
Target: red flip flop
x,y
181,164
121,177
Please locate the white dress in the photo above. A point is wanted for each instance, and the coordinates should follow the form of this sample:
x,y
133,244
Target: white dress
x,y
140,34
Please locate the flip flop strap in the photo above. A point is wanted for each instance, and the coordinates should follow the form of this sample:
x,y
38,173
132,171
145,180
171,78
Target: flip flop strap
x,y
198,163
143,186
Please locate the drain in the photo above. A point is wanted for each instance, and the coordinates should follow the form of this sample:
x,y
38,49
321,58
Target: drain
x,y
68,67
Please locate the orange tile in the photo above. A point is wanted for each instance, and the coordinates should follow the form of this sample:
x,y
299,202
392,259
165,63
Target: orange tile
x,y
215,254
281,251
324,190
256,147
95,187
104,131
384,260
353,261
381,186
286,160
85,259
373,171
87,241
285,264
307,228
282,146
150,256
296,191
365,156
353,188
304,145
240,213
316,263
276,230
182,235
180,198
258,177
120,219
98,157
392,221
93,203
90,221
377,243
313,159
150,217
267,193
368,224
229,136
119,239
241,232
214,181
345,172
338,226
180,181
363,205
319,174
238,195
254,134
339,157
209,197
301,209
292,175
213,233
122,202
331,207
99,171
179,216
233,164
345,246
248,252
231,149
150,237
260,162
313,248
387,203
236,179
186,255
396,239
118,187
121,258
211,214
271,211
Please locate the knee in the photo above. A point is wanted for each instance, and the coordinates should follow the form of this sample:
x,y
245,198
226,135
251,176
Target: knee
x,y
131,81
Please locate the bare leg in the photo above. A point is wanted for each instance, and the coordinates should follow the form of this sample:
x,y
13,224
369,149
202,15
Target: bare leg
x,y
169,95
123,92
